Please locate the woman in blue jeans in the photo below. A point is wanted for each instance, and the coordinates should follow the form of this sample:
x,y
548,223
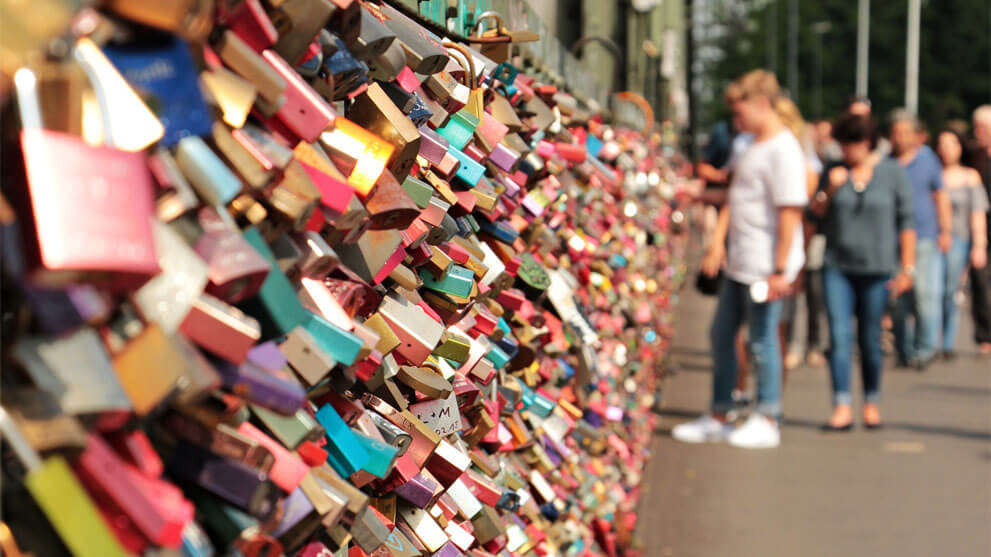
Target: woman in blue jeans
x,y
864,209
970,238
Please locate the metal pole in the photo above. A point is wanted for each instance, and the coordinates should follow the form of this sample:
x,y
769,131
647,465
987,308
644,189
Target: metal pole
x,y
793,49
817,110
912,58
863,44
819,29
772,36
690,79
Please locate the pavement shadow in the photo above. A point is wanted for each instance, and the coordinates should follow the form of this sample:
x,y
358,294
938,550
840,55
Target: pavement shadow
x,y
959,433
693,367
683,351
982,392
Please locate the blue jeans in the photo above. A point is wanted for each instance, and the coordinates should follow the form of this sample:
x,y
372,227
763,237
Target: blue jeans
x,y
924,302
956,263
863,297
733,307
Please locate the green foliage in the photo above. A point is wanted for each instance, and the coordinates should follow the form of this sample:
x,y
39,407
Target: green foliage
x,y
954,66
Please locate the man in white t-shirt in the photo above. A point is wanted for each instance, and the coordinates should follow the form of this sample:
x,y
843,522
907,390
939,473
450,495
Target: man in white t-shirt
x,y
765,253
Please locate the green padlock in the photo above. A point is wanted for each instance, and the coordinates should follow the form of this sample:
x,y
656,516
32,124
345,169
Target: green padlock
x,y
419,191
460,128
62,498
457,281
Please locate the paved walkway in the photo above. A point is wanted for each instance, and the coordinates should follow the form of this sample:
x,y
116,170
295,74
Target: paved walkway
x,y
920,487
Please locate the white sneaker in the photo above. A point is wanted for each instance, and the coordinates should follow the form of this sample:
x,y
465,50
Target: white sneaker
x,y
758,432
705,429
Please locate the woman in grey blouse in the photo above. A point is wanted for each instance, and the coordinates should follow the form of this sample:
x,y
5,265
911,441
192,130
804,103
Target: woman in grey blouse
x,y
970,238
864,209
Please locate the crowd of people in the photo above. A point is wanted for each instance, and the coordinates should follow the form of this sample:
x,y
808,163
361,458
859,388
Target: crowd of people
x,y
876,233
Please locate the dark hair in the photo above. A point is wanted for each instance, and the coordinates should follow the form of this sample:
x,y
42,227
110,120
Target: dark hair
x,y
851,128
960,139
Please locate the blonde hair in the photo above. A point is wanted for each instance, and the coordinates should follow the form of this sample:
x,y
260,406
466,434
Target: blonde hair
x,y
755,83
790,116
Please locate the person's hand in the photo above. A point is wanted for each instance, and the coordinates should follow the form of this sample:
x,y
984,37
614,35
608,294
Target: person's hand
x,y
899,285
945,241
799,283
978,257
712,261
838,176
778,286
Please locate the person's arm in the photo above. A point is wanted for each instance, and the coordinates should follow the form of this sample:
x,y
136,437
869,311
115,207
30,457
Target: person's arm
x,y
714,196
902,282
905,221
710,173
978,225
830,182
944,212
717,250
789,219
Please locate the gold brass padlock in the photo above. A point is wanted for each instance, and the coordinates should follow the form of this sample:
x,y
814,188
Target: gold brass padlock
x,y
496,42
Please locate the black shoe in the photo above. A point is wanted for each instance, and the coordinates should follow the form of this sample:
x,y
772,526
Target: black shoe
x,y
873,427
830,428
949,355
902,362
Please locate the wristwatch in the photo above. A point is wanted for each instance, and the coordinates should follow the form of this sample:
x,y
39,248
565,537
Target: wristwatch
x,y
909,271
821,196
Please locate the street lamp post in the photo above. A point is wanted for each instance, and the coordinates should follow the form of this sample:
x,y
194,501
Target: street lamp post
x,y
819,29
912,58
863,44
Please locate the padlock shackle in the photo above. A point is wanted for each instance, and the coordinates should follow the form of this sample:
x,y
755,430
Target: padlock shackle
x,y
28,103
490,14
470,77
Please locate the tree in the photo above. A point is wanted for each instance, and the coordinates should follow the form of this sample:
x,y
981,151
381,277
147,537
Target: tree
x,y
955,54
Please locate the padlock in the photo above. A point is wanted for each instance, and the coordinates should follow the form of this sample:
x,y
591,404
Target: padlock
x,y
189,18
223,440
375,37
168,297
424,54
375,111
221,329
76,370
257,173
212,179
166,74
73,237
248,63
42,422
304,113
59,494
298,22
361,153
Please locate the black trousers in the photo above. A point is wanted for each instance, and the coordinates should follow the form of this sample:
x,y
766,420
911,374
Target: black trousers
x,y
980,291
815,308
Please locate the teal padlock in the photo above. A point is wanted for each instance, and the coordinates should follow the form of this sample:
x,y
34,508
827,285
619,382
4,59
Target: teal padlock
x,y
469,171
340,344
504,326
457,281
540,405
497,356
345,453
381,456
276,306
460,128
